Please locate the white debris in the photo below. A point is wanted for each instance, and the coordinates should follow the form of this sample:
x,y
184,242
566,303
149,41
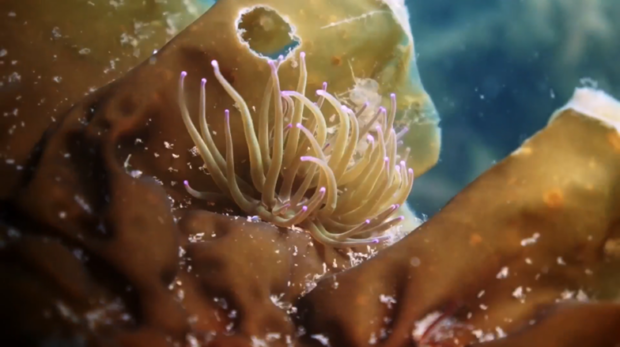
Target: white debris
x,y
415,262
196,237
582,296
500,333
482,337
503,273
567,295
387,300
321,338
421,326
518,293
373,339
56,32
530,240
15,77
83,204
283,305
194,151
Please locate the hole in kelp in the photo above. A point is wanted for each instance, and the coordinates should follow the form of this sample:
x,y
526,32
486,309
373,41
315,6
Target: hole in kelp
x,y
266,33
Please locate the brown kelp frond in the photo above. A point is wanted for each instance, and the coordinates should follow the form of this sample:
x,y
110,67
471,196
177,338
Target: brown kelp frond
x,y
340,179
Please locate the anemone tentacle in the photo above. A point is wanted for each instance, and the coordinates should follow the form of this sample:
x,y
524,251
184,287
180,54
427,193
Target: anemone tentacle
x,y
342,183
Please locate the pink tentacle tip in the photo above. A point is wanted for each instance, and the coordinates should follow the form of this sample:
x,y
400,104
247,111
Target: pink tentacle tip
x,y
302,55
402,162
304,158
226,114
203,81
382,109
299,126
324,85
410,171
393,95
370,138
367,221
322,190
401,218
215,64
395,206
289,126
183,74
185,183
304,208
386,159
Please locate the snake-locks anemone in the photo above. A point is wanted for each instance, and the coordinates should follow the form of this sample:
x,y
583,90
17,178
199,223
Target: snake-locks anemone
x,y
340,180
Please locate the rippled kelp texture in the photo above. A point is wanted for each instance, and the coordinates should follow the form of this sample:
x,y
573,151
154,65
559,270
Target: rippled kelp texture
x,y
52,54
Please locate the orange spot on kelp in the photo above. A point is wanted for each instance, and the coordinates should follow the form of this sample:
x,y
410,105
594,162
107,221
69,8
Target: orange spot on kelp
x,y
361,300
525,150
614,140
158,97
168,75
553,198
475,239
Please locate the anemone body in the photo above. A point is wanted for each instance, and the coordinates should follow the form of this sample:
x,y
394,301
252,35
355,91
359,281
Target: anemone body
x,y
341,182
